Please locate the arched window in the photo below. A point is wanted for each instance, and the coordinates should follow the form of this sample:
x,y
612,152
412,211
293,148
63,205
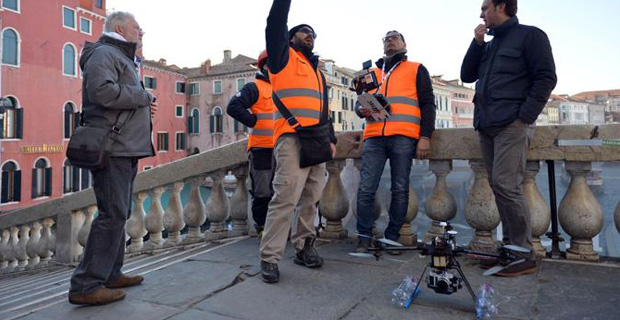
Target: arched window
x,y
193,122
10,47
13,120
69,60
11,183
216,120
41,179
72,119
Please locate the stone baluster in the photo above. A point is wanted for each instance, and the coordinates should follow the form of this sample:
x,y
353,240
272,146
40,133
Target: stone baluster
x,y
334,203
481,211
79,220
440,205
47,242
540,212
217,209
21,252
580,214
13,247
32,248
173,217
135,225
407,236
5,250
88,223
194,213
377,208
155,220
239,203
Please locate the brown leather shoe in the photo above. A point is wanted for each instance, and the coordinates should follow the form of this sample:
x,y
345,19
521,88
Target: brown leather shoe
x,y
125,281
518,269
97,297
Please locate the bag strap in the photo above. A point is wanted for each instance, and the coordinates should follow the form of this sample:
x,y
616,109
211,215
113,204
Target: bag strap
x,y
118,126
290,118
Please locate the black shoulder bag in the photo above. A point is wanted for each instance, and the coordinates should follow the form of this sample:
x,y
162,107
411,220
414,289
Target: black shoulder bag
x,y
315,139
90,147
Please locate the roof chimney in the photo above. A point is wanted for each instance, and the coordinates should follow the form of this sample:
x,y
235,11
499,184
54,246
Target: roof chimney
x,y
206,67
162,62
227,56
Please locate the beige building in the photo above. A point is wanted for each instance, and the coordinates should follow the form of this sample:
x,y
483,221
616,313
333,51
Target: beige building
x,y
341,99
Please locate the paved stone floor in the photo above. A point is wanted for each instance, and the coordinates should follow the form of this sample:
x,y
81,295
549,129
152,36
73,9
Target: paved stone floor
x,y
221,281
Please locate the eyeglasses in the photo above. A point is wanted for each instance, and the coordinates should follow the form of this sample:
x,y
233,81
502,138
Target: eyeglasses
x,y
307,30
392,37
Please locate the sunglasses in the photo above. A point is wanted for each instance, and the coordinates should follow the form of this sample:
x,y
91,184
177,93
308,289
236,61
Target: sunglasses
x,y
392,37
307,30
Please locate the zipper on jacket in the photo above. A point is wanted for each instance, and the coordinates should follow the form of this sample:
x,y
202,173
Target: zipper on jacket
x,y
387,83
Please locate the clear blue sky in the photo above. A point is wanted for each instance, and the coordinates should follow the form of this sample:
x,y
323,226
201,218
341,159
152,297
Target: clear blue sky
x,y
585,35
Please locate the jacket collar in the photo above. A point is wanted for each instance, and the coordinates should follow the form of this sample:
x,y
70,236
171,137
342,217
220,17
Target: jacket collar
x,y
389,63
504,27
261,76
128,48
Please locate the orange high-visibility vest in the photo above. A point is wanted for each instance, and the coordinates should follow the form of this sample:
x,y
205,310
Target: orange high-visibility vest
x,y
261,135
300,88
401,91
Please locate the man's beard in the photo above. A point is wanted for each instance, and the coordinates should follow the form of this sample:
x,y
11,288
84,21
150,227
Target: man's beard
x,y
303,47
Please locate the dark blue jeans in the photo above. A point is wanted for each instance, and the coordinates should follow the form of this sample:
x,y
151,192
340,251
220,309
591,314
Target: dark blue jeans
x,y
400,150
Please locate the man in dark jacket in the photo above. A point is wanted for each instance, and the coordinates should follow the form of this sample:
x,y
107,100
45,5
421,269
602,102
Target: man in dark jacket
x,y
516,74
112,94
253,107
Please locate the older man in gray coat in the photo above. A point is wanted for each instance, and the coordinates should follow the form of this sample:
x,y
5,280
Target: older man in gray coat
x,y
112,94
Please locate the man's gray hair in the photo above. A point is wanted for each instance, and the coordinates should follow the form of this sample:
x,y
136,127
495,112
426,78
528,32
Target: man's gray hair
x,y
116,19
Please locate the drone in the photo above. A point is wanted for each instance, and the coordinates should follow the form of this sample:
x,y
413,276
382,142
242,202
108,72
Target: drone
x,y
443,252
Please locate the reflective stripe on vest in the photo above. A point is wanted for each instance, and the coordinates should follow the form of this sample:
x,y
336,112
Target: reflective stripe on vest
x,y
300,89
405,115
261,135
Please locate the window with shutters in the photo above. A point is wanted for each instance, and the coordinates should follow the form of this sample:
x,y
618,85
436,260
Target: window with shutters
x,y
178,111
69,60
75,179
72,119
194,88
217,86
41,179
240,83
216,121
10,47
240,127
85,26
12,5
99,4
150,82
162,141
193,122
13,120
11,182
68,18
180,141
180,87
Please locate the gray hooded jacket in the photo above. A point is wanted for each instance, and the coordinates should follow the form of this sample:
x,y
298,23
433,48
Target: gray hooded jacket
x,y
112,90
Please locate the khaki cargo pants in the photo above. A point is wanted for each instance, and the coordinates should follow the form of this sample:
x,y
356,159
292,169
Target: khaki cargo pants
x,y
296,193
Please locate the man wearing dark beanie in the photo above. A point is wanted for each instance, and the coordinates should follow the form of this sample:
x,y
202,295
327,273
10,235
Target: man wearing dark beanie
x,y
299,87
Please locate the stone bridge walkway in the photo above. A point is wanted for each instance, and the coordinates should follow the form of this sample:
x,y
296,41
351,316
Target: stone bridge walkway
x,y
220,281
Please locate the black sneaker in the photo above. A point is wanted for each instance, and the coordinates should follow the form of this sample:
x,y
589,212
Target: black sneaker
x,y
308,257
363,244
269,272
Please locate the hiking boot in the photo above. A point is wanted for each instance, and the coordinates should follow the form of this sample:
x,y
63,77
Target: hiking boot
x,y
484,262
308,256
96,297
518,269
125,281
363,244
269,272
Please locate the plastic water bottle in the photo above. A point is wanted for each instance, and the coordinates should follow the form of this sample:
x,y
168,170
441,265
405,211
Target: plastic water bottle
x,y
403,294
486,302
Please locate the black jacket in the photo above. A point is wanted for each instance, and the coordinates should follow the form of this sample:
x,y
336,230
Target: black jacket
x,y
426,98
240,103
278,43
515,73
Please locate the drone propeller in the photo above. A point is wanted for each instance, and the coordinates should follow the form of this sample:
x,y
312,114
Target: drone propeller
x,y
497,269
362,255
390,242
516,248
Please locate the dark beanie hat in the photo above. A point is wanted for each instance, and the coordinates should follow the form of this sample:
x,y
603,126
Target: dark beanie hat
x,y
294,30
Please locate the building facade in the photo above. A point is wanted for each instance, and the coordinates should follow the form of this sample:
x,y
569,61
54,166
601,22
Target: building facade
x,y
40,76
341,98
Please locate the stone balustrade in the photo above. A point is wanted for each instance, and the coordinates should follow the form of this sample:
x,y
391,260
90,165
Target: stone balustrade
x,y
56,231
